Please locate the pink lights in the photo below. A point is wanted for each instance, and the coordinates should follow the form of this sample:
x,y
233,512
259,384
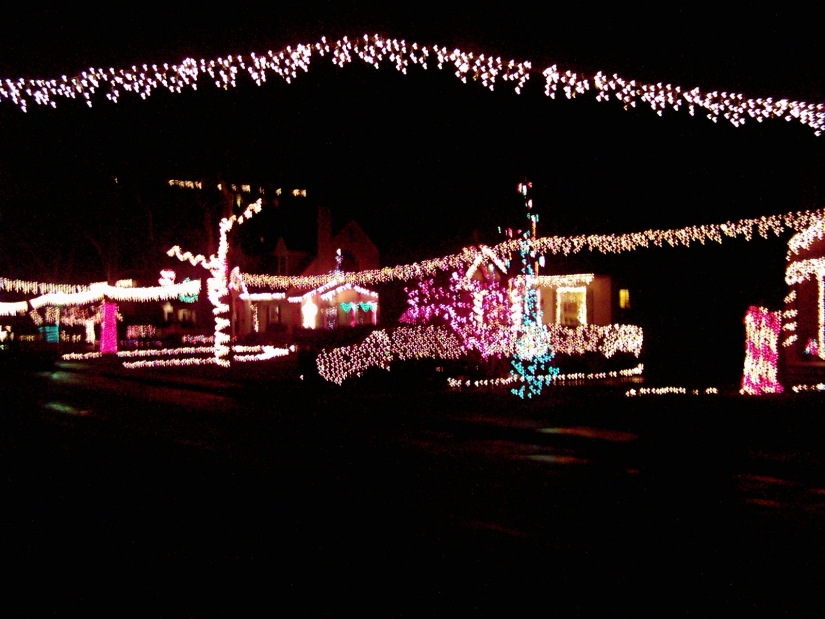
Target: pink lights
x,y
478,312
108,329
761,356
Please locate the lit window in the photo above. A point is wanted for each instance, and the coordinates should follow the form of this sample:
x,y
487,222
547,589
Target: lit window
x,y
571,306
624,298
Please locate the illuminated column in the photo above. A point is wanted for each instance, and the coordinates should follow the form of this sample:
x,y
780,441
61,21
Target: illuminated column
x,y
108,328
761,355
821,311
531,361
308,312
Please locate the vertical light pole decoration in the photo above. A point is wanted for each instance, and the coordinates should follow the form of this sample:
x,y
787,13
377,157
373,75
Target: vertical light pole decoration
x,y
532,355
217,285
762,329
108,328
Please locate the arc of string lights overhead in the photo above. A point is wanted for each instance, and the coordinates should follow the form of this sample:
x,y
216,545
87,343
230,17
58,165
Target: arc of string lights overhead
x,y
377,51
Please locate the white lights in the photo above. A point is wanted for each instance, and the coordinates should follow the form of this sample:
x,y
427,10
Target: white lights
x,y
309,312
455,383
185,184
607,339
116,293
556,281
804,239
12,309
186,355
670,391
375,51
262,296
29,287
571,305
801,388
380,348
217,285
565,245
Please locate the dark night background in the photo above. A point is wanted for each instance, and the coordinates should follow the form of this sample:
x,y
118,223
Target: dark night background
x,y
179,492
425,163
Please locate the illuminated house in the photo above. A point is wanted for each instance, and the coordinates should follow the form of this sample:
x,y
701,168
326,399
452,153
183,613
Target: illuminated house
x,y
569,300
332,305
803,319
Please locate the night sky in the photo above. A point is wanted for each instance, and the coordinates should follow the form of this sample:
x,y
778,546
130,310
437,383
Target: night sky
x,y
424,163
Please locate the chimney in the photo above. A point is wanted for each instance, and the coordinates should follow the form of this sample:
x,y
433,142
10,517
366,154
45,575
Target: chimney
x,y
326,252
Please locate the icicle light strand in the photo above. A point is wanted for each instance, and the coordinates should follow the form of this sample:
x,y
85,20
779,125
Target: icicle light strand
x,y
566,245
289,63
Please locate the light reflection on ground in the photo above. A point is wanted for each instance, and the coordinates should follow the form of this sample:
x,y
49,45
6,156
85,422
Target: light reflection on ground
x,y
61,407
595,433
557,459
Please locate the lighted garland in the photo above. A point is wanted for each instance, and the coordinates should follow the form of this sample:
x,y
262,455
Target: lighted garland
x,y
564,245
242,354
376,51
30,287
380,348
97,292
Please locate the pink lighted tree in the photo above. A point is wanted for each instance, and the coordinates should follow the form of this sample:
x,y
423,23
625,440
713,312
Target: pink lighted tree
x,y
477,311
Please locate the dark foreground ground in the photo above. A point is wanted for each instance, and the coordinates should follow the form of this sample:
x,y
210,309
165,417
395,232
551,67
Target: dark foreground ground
x,y
187,497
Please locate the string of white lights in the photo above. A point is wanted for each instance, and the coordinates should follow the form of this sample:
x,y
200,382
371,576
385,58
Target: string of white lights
x,y
670,391
78,356
804,239
155,352
13,309
566,245
457,383
376,51
115,293
803,270
801,388
31,287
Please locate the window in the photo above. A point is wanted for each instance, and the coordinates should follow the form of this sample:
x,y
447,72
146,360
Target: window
x,y
624,298
571,306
